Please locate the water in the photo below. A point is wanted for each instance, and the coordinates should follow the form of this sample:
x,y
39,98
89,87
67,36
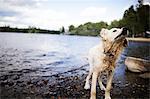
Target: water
x,y
48,54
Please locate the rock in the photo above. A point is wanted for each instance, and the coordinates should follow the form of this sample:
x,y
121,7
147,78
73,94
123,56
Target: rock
x,y
45,81
76,77
51,93
25,92
137,65
6,82
29,82
19,81
16,77
44,55
126,85
32,92
5,77
10,64
3,83
28,97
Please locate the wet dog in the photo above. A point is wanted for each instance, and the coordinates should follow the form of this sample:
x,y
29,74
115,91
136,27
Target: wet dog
x,y
103,57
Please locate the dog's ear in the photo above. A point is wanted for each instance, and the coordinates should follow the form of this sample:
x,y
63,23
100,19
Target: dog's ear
x,y
102,32
125,43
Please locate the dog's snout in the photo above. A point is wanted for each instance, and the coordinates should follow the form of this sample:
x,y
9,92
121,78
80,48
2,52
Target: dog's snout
x,y
124,31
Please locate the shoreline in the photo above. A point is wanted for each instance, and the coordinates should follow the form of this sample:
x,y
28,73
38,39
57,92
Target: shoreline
x,y
140,39
136,39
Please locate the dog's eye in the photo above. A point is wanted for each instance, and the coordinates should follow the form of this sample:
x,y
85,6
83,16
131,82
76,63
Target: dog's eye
x,y
114,30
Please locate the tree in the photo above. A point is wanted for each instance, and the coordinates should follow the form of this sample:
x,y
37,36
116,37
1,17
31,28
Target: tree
x,y
143,18
130,20
140,3
114,24
88,28
62,30
71,27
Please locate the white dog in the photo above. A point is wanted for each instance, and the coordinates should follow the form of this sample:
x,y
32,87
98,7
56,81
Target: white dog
x,y
103,57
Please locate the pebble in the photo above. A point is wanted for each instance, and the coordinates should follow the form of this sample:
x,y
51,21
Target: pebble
x,y
16,77
28,97
133,91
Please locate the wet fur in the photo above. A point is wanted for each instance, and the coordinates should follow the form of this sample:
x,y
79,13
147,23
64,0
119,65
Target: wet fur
x,y
104,62
113,52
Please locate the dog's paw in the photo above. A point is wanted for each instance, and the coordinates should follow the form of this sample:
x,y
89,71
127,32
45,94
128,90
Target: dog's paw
x,y
108,97
87,86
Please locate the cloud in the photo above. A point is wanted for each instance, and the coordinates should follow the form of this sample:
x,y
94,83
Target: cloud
x,y
53,14
93,12
19,2
22,13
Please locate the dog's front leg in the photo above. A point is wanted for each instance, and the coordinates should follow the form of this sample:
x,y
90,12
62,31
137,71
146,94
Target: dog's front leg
x,y
108,86
87,84
93,88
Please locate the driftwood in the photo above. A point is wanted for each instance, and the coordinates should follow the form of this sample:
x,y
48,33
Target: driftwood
x,y
137,64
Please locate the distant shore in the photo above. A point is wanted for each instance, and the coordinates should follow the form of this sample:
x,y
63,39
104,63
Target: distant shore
x,y
139,39
136,39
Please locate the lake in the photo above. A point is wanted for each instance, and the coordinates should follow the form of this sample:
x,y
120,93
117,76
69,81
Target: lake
x,y
45,55
59,53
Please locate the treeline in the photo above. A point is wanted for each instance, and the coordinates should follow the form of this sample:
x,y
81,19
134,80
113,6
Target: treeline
x,y
136,19
27,30
88,28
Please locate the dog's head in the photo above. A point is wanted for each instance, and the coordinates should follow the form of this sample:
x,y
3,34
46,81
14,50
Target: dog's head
x,y
114,35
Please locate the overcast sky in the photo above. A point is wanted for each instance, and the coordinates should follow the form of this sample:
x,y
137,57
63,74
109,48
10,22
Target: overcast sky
x,y
53,14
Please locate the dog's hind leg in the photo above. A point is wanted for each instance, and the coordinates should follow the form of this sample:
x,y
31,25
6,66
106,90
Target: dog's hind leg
x,y
101,84
108,86
93,88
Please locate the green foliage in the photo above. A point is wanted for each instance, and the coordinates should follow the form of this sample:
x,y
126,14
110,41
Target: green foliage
x,y
130,19
71,28
135,19
115,23
32,30
88,28
27,30
143,16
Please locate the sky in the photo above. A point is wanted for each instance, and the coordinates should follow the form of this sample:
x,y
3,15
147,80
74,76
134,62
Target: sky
x,y
53,14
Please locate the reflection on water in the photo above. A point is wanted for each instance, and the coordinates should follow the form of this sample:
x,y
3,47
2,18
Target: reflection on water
x,y
140,50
